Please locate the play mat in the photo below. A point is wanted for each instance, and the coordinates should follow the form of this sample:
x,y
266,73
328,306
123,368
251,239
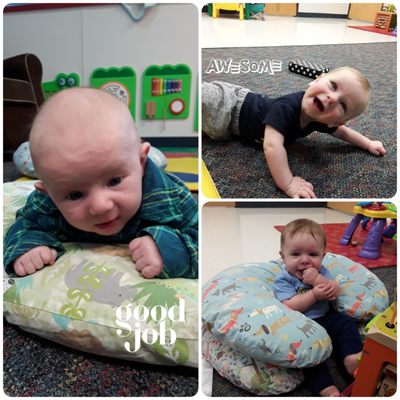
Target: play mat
x,y
183,162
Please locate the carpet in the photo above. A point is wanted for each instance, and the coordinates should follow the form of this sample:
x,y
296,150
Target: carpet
x,y
372,29
35,367
335,231
336,169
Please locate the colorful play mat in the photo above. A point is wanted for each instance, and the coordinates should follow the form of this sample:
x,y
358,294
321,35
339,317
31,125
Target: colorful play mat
x,y
183,162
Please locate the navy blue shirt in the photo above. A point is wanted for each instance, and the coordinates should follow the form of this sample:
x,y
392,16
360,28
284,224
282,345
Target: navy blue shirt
x,y
282,113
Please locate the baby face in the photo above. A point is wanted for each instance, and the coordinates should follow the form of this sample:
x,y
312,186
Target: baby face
x,y
89,159
99,191
334,98
300,252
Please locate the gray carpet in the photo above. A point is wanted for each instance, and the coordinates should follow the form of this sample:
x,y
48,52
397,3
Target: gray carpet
x,y
336,169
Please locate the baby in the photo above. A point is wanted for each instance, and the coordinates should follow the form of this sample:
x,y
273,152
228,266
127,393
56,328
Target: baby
x,y
307,286
330,101
96,184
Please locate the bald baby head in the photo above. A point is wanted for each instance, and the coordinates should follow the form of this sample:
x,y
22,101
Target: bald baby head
x,y
81,122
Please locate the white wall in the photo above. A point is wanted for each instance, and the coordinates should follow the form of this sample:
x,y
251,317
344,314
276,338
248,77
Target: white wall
x,y
324,8
84,38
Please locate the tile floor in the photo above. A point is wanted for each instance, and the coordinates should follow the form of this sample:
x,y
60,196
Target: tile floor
x,y
230,31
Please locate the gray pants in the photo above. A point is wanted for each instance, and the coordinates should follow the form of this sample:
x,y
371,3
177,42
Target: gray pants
x,y
220,105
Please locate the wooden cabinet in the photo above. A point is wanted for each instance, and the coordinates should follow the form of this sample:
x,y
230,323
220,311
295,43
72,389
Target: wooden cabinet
x,y
282,9
343,206
364,11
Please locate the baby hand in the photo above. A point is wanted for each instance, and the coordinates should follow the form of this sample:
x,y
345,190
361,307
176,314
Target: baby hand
x,y
325,291
310,275
300,188
34,259
376,148
146,256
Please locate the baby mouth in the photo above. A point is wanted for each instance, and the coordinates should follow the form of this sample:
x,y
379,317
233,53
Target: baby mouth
x,y
318,104
106,224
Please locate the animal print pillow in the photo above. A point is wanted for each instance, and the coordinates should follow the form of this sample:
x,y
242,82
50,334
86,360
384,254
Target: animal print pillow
x,y
94,300
240,310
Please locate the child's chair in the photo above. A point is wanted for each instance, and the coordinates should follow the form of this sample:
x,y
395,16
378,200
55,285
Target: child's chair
x,y
239,7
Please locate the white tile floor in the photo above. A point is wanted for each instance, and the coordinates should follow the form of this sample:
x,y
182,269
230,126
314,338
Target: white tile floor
x,y
230,31
238,235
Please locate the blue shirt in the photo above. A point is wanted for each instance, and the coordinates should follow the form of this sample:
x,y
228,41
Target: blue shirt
x,y
287,286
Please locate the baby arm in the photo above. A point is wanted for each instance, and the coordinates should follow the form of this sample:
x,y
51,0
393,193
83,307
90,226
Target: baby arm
x,y
355,138
276,156
31,240
176,253
177,239
302,302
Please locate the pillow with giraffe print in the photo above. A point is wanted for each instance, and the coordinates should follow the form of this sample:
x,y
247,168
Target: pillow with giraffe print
x,y
241,311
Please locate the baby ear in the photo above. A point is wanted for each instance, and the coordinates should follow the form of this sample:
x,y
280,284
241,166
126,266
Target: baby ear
x,y
144,152
40,187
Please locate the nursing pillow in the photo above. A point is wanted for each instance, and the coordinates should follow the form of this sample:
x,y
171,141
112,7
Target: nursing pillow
x,y
246,322
93,299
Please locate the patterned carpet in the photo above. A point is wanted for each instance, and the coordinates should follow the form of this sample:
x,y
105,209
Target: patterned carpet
x,y
34,367
336,169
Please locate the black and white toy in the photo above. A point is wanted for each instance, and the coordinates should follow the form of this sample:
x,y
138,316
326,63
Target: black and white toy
x,y
307,68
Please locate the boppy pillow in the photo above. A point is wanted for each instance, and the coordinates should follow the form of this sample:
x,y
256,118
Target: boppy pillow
x,y
241,311
248,373
93,299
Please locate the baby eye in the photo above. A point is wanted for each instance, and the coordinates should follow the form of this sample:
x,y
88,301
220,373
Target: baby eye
x,y
74,196
114,181
295,254
333,84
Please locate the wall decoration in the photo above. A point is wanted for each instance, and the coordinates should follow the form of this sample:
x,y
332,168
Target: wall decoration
x,y
62,81
166,92
119,81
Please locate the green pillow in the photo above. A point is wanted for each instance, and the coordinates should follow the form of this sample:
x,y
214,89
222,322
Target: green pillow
x,y
93,299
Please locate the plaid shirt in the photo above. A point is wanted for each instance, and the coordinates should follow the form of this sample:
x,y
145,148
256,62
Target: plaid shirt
x,y
168,214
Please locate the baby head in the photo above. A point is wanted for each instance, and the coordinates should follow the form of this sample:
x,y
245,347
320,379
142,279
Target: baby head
x,y
303,243
336,97
89,159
